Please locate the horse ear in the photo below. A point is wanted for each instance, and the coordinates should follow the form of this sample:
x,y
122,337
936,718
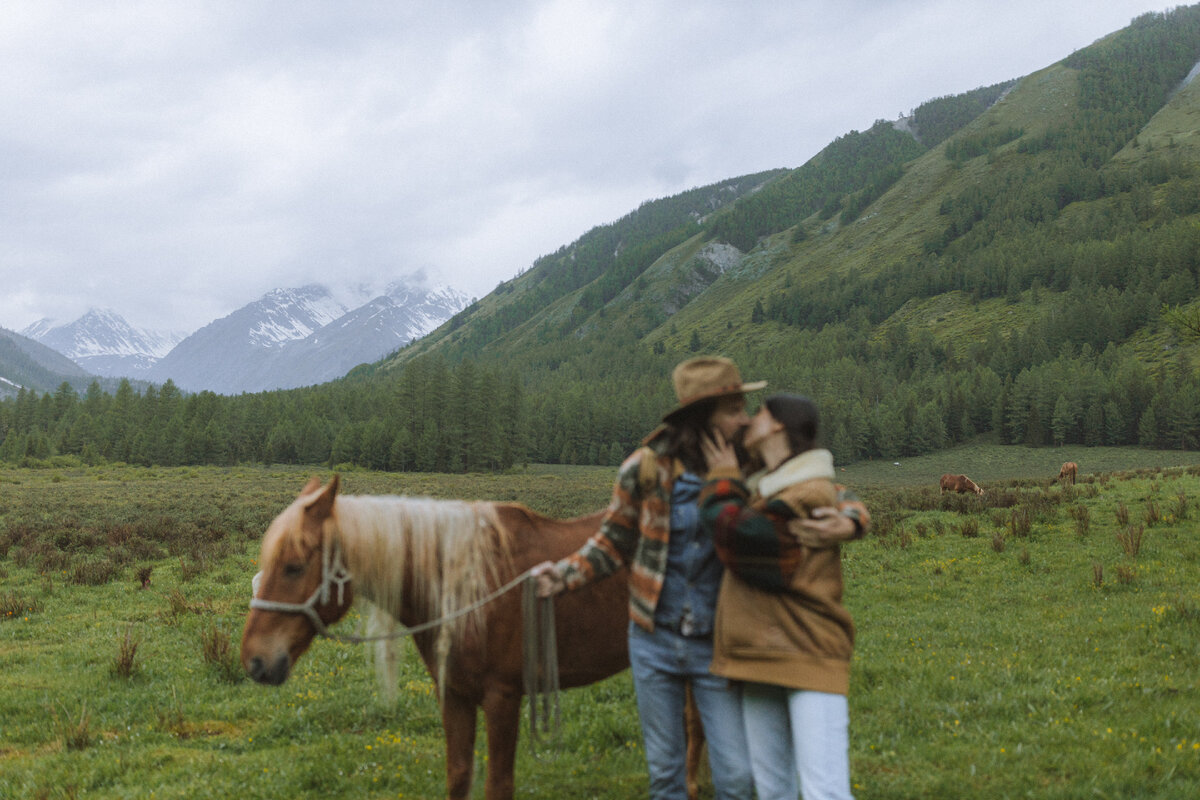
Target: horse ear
x,y
313,484
322,506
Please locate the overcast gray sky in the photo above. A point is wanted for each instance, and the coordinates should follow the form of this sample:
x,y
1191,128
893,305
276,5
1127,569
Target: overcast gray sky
x,y
174,161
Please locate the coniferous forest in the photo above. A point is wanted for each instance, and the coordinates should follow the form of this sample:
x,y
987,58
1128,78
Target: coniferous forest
x,y
1000,269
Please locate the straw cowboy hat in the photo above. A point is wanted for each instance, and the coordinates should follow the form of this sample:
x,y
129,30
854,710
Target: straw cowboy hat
x,y
707,376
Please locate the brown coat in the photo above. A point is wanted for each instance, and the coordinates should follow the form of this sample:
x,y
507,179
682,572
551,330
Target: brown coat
x,y
802,638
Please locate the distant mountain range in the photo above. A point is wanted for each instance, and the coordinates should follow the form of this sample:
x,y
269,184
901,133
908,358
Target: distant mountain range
x,y
285,339
103,343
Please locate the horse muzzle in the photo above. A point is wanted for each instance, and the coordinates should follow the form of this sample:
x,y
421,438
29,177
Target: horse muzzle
x,y
273,672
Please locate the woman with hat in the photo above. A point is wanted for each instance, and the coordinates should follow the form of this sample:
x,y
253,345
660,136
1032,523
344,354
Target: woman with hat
x,y
652,526
781,628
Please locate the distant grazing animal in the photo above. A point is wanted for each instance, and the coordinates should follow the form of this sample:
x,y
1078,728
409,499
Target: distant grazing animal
x,y
959,483
1068,471
418,559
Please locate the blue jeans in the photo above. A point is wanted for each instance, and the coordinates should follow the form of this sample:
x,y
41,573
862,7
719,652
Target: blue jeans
x,y
800,742
663,662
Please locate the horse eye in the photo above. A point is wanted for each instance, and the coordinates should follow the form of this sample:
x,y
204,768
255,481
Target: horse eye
x,y
293,570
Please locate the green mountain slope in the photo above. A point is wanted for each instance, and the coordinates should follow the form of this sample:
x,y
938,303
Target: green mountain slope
x,y
26,363
895,280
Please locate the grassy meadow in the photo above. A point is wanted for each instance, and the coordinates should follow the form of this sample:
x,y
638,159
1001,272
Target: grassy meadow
x,y
1040,641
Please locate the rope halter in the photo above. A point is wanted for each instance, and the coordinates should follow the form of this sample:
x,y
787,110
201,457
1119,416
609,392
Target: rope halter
x,y
333,573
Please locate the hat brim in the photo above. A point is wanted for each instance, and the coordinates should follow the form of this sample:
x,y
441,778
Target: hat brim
x,y
752,386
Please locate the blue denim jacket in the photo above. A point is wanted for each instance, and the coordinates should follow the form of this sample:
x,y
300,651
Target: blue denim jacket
x,y
688,601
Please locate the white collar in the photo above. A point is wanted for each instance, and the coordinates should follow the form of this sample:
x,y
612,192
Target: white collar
x,y
806,466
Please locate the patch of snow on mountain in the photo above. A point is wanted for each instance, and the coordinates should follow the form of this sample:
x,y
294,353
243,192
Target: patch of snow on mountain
x,y
101,332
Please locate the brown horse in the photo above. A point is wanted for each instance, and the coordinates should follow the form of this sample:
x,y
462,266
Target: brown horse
x,y
419,559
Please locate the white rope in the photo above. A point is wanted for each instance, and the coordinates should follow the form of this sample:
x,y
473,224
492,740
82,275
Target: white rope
x,y
335,572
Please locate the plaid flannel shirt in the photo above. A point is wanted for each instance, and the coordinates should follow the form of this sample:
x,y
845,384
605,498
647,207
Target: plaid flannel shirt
x,y
633,533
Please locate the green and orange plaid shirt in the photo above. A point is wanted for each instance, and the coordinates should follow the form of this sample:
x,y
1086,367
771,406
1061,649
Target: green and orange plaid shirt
x,y
633,533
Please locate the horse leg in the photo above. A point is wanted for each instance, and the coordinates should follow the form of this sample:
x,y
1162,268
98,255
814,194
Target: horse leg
x,y
501,715
458,722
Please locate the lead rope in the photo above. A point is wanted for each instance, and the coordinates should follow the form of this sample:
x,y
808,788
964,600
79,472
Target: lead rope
x,y
540,663
341,577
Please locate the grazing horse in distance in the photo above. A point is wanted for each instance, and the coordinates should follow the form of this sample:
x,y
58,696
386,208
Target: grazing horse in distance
x,y
959,483
1068,472
417,560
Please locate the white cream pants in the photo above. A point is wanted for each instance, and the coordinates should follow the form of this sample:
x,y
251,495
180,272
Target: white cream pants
x,y
799,743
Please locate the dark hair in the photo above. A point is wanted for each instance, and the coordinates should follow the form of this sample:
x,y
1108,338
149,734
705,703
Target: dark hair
x,y
684,430
799,417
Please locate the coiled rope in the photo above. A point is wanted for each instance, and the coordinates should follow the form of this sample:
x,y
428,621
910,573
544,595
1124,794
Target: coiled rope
x,y
540,663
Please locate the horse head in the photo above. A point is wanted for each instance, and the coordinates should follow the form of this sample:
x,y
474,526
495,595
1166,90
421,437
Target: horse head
x,y
302,588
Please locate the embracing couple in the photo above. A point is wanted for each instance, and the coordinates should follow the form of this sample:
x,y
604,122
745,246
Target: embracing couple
x,y
735,586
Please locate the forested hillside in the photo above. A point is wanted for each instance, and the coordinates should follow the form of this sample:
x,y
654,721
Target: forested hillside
x,y
996,265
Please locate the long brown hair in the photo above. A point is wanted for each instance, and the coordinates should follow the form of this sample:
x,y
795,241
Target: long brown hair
x,y
684,431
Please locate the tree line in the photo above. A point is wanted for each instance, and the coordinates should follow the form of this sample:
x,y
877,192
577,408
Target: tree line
x,y
430,417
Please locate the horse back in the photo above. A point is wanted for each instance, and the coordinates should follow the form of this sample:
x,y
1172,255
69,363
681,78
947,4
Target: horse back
x,y
591,623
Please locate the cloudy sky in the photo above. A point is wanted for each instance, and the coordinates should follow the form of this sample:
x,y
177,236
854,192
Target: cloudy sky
x,y
174,161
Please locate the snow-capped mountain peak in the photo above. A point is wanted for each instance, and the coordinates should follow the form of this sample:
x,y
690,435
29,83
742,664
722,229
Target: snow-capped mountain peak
x,y
102,336
312,334
287,338
285,315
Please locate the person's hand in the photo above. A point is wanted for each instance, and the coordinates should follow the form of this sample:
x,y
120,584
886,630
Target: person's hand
x,y
718,453
549,582
826,528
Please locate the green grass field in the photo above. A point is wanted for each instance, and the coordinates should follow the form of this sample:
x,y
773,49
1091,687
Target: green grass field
x,y
1025,644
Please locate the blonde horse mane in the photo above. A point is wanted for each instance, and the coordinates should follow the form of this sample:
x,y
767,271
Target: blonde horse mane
x,y
452,552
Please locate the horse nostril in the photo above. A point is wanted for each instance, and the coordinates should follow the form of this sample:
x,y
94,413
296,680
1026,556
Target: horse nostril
x,y
255,668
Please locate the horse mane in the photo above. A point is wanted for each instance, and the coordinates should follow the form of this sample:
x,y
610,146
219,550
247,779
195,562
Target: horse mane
x,y
434,556
451,549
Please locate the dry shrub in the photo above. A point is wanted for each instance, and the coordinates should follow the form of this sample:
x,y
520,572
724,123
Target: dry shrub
x,y
998,541
1126,574
93,572
1083,519
119,534
1153,515
1097,574
171,719
15,606
1000,498
75,734
969,527
123,664
1020,522
178,602
1181,506
218,652
1122,514
1023,556
1130,539
882,525
193,567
